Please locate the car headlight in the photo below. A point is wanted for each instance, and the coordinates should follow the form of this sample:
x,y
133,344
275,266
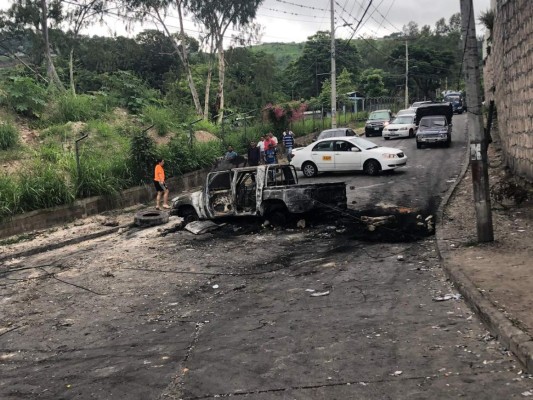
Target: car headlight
x,y
389,155
385,123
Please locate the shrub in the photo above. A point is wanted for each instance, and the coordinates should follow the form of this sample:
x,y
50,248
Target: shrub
x,y
181,157
25,96
75,108
43,186
9,196
9,136
142,157
99,175
131,92
161,118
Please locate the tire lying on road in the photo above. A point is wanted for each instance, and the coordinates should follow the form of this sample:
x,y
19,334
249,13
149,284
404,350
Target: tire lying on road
x,y
148,218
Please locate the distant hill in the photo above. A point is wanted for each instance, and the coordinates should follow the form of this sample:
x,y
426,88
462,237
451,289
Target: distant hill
x,y
284,52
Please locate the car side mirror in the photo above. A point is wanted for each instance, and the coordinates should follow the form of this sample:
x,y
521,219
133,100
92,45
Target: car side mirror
x,y
355,149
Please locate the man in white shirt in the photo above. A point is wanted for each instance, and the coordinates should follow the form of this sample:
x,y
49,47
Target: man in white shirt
x,y
261,145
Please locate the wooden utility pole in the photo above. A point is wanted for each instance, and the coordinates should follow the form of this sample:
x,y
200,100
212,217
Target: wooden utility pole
x,y
478,142
406,76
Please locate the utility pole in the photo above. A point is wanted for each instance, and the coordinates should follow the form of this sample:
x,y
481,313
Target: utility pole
x,y
406,76
478,142
333,74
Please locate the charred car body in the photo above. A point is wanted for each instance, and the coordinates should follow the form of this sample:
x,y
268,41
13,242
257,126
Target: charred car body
x,y
270,191
434,123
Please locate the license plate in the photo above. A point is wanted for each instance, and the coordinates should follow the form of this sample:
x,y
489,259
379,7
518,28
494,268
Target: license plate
x,y
376,128
326,158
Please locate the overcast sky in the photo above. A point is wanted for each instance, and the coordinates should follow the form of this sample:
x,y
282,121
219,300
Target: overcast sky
x,y
295,20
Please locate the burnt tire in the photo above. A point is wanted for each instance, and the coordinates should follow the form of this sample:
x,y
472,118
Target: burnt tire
x,y
411,133
372,167
277,215
148,218
309,169
188,214
418,145
386,138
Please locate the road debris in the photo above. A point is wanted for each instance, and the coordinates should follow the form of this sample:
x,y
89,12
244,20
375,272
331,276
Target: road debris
x,y
447,297
400,258
320,294
215,286
201,227
301,224
397,373
527,393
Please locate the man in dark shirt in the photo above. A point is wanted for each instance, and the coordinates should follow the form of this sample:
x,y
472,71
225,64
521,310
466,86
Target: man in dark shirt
x,y
253,154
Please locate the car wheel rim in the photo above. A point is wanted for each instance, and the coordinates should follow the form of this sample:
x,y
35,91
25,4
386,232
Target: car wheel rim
x,y
309,170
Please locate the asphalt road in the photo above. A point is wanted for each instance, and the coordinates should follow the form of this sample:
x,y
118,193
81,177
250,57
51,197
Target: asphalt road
x,y
232,313
419,185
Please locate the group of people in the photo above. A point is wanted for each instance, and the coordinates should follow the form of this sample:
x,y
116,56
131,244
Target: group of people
x,y
266,150
263,152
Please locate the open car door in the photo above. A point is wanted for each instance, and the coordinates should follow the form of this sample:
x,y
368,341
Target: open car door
x,y
219,196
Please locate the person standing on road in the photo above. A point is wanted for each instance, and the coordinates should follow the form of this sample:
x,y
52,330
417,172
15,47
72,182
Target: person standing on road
x,y
160,184
254,155
288,142
261,146
270,149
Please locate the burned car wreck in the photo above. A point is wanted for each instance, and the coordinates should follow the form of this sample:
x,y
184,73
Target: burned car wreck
x,y
269,191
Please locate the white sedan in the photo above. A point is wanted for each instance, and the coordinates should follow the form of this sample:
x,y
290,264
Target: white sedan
x,y
346,154
402,126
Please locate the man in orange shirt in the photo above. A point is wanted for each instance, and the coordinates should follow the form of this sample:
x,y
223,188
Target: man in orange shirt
x,y
160,185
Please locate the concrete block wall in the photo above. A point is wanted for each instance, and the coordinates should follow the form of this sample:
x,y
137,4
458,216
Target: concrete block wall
x,y
42,219
508,79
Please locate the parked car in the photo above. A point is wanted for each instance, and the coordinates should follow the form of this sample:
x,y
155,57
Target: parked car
x,y
405,111
271,191
434,124
402,126
457,101
376,121
346,154
336,132
417,104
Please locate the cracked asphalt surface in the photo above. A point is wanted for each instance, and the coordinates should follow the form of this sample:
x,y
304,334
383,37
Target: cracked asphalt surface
x,y
226,314
231,313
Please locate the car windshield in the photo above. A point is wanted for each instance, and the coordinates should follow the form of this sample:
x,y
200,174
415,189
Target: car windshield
x,y
432,122
364,144
379,115
404,119
403,112
452,98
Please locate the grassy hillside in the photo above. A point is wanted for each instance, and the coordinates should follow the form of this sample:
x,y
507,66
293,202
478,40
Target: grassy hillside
x,y
284,52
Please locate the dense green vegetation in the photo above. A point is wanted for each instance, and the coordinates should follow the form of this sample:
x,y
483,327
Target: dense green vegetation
x,y
123,102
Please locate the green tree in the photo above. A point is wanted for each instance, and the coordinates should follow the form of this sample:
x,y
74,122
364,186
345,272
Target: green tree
x,y
35,16
218,16
312,68
372,82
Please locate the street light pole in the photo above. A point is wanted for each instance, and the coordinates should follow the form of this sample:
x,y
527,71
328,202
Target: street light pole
x,y
333,67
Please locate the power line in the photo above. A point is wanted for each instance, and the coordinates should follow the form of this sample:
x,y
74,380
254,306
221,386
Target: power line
x,y
302,6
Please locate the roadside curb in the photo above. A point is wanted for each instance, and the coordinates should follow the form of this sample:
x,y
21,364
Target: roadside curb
x,y
69,242
510,336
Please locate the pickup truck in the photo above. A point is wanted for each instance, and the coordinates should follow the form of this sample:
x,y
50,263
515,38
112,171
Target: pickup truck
x,y
270,191
434,121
